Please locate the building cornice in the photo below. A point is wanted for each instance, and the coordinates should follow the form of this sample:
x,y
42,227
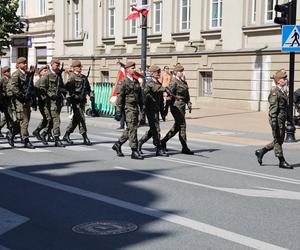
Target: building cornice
x,y
261,30
41,18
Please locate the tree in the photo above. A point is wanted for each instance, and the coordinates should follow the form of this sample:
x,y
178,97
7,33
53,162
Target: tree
x,y
9,23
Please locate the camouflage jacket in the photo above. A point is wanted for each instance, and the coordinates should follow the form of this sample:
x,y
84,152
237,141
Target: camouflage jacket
x,y
129,95
180,89
75,85
48,85
3,86
278,101
153,92
18,84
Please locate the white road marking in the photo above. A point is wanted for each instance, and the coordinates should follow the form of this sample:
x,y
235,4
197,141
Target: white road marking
x,y
260,192
231,170
179,220
80,148
36,150
10,220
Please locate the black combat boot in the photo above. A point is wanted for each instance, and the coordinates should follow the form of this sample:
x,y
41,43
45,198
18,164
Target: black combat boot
x,y
117,148
284,164
163,146
67,139
260,154
27,144
187,151
50,137
1,135
160,152
36,134
86,140
43,138
135,155
139,147
58,142
10,139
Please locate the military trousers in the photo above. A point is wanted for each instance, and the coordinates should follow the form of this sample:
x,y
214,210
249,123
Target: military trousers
x,y
55,110
46,116
23,111
78,118
278,139
154,130
130,133
178,112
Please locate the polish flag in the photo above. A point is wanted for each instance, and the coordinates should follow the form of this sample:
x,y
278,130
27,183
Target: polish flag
x,y
121,74
142,9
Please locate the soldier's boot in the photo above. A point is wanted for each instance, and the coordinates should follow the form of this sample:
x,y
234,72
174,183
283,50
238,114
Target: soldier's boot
x,y
27,144
284,164
139,147
1,135
50,137
135,155
260,154
163,145
43,138
67,139
36,134
187,151
86,140
57,142
117,147
10,139
160,152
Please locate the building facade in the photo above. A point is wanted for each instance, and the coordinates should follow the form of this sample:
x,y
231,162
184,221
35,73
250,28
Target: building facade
x,y
229,48
37,42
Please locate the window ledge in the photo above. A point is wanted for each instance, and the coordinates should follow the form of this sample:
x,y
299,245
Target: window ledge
x,y
73,42
108,40
130,39
249,30
215,33
181,36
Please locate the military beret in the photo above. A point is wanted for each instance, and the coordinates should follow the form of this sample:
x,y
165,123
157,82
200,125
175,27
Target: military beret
x,y
280,74
178,68
42,68
5,69
54,61
76,63
154,68
129,64
21,60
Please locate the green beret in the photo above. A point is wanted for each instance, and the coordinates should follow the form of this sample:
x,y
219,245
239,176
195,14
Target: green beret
x,y
21,60
5,69
178,68
154,68
55,61
129,64
76,63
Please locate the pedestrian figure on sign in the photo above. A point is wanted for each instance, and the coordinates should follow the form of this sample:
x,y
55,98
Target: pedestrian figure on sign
x,y
296,37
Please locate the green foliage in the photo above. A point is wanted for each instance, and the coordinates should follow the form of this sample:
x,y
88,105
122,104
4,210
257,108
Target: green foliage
x,y
9,23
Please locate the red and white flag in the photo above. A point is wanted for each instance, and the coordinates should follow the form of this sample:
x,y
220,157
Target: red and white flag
x,y
142,9
121,74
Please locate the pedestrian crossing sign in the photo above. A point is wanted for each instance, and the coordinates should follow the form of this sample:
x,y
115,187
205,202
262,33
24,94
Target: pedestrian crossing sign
x,y
290,38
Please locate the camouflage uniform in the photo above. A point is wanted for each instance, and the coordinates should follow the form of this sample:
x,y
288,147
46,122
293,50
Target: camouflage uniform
x,y
74,87
48,89
278,111
153,92
181,98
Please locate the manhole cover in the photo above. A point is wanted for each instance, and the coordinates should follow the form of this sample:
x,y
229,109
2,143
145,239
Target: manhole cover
x,y
104,228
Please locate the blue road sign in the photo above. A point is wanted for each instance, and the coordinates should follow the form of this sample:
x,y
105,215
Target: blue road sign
x,y
290,38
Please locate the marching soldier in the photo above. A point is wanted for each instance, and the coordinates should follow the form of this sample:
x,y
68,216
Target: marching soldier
x,y
129,98
43,108
51,88
278,111
22,100
78,87
181,98
153,92
5,102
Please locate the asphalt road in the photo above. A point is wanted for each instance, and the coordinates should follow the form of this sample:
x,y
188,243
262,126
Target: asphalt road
x,y
219,198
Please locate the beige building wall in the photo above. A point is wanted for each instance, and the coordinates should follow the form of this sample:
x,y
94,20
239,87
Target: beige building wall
x,y
227,64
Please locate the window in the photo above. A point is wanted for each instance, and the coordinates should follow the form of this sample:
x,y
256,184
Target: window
x,y
253,16
76,21
157,16
23,52
216,13
185,10
22,8
133,23
41,56
269,10
42,7
206,87
111,18
104,76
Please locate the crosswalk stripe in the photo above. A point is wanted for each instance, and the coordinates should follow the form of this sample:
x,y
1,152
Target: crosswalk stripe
x,y
80,148
36,150
10,220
